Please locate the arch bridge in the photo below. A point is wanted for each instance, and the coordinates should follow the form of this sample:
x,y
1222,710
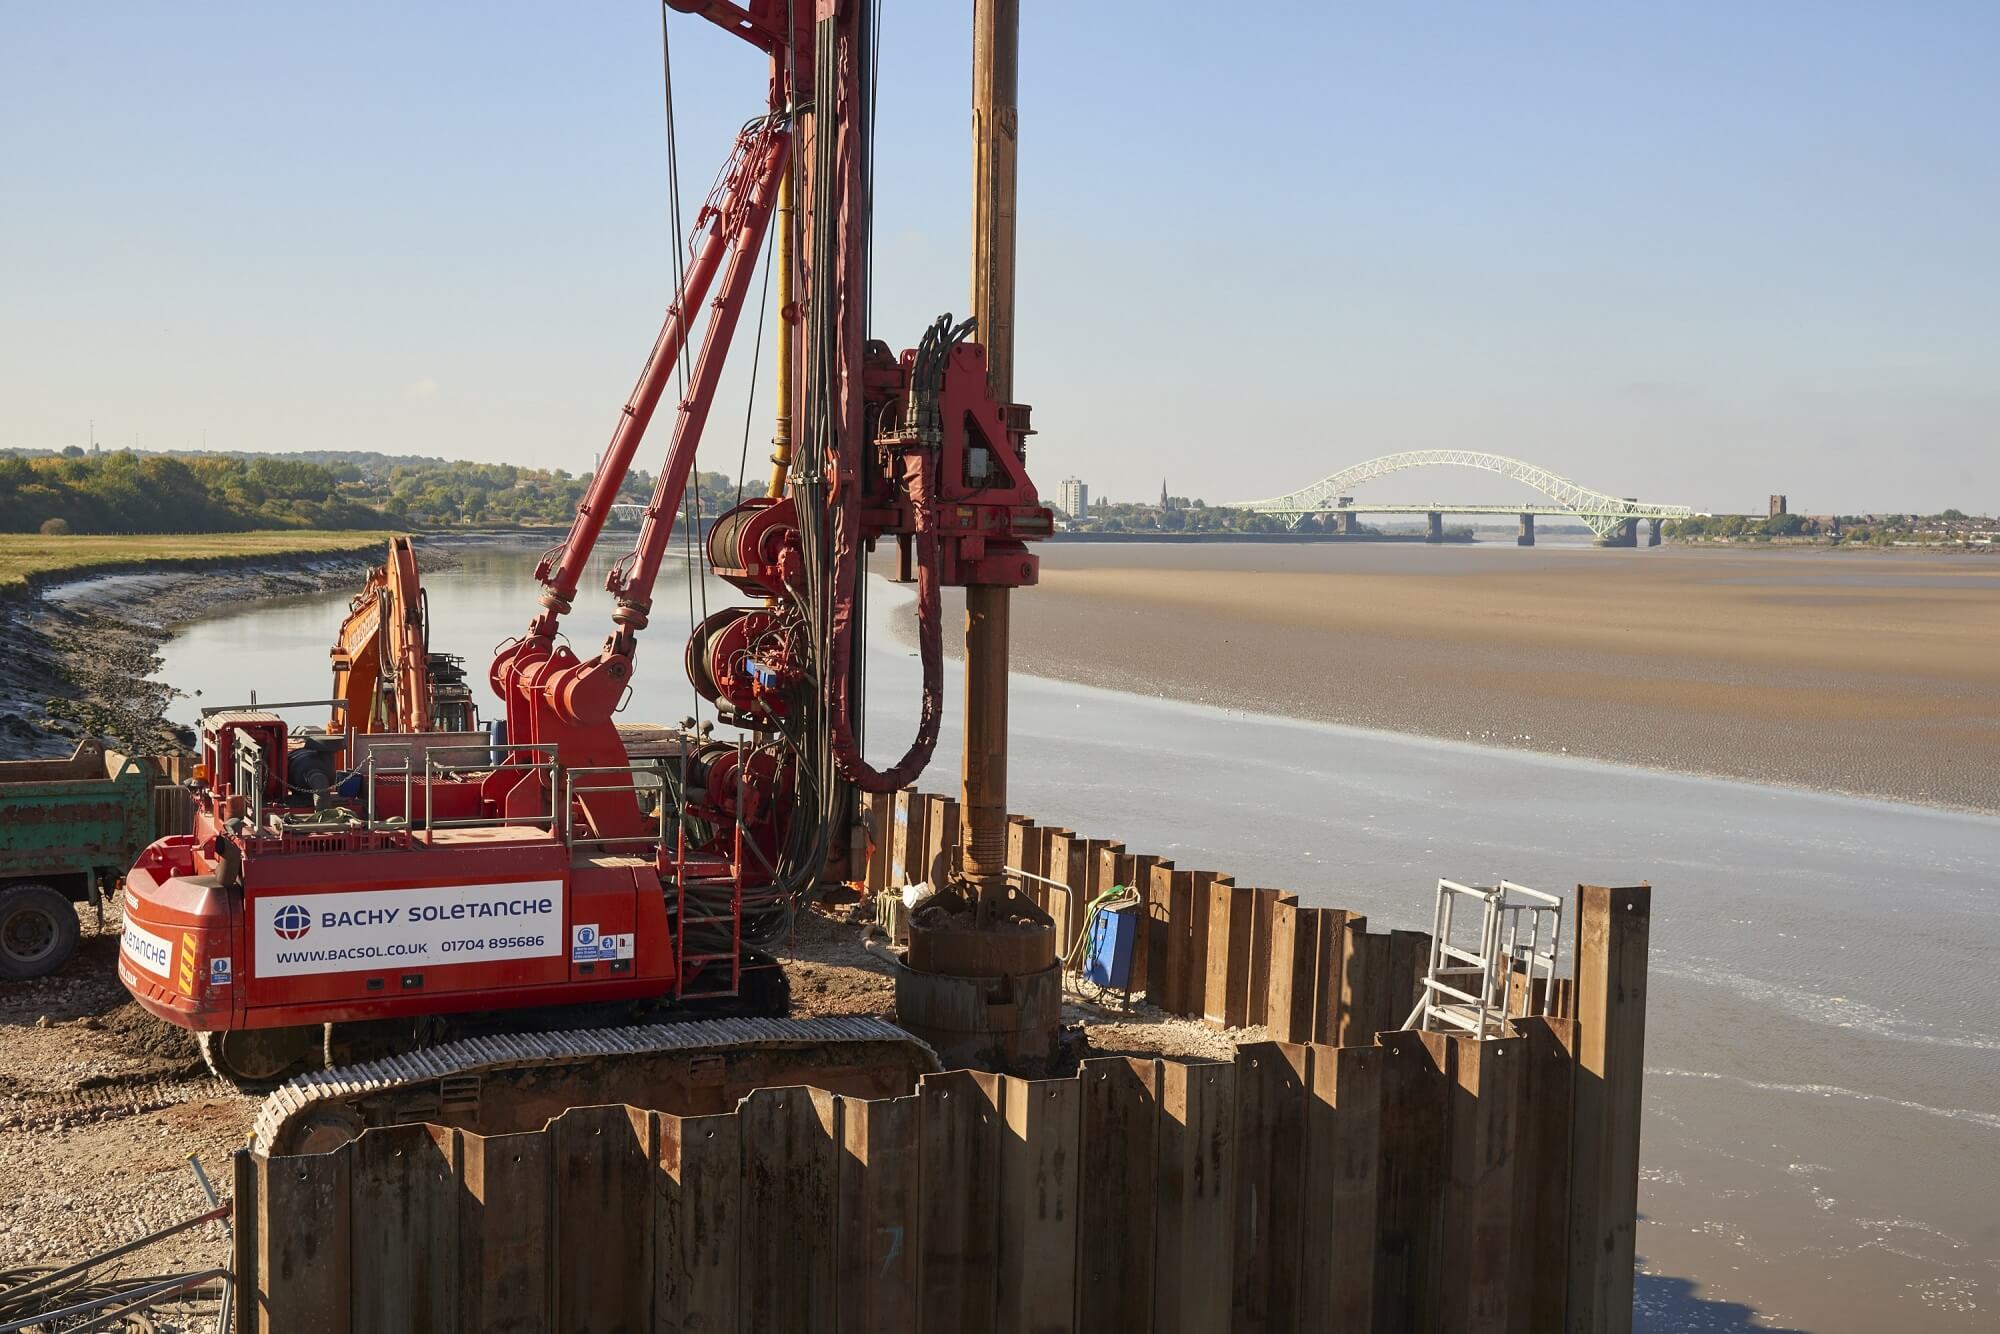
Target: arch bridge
x,y
1613,519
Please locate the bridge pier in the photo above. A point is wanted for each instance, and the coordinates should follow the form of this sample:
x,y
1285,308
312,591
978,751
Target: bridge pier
x,y
1436,531
1626,534
1653,532
1527,537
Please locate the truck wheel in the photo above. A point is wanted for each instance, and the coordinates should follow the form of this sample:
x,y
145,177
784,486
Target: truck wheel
x,y
38,931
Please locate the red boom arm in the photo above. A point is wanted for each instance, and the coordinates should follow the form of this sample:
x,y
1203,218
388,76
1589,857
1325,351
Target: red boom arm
x,y
551,697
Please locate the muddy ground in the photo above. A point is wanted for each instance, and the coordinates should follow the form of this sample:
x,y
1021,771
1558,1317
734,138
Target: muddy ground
x,y
1844,671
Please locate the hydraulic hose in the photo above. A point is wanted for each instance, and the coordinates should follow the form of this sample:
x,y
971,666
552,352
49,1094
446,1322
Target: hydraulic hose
x,y
930,641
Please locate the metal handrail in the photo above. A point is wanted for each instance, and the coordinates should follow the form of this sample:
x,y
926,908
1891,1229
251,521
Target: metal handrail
x,y
1542,905
372,775
634,774
442,763
433,771
253,705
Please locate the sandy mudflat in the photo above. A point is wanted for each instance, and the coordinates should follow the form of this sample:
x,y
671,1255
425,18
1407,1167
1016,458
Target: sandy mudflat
x,y
1855,672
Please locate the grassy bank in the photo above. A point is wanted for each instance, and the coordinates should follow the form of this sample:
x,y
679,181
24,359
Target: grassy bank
x,y
30,558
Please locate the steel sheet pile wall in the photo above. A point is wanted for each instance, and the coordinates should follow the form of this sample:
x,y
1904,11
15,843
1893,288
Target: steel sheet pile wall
x,y
1304,1186
1231,955
1392,1182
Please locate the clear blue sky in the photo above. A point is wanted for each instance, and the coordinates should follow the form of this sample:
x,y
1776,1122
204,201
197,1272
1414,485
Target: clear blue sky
x,y
1693,252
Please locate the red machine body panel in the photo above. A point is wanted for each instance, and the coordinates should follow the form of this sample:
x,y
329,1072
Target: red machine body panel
x,y
342,935
604,935
178,924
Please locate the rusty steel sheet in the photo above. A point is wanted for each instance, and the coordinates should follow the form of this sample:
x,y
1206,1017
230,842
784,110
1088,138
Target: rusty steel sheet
x,y
1010,1023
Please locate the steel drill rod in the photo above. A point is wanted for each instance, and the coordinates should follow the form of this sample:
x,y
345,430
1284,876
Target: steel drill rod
x,y
985,771
996,34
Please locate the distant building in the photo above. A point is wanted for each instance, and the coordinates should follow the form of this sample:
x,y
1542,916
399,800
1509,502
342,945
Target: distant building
x,y
1074,498
1777,506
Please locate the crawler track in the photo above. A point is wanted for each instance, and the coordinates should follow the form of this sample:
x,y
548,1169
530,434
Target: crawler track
x,y
517,1081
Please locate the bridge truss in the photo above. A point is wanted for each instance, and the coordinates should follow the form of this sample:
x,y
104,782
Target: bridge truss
x,y
1331,495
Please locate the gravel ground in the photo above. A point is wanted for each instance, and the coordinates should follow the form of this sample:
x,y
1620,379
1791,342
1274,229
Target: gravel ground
x,y
832,974
101,1104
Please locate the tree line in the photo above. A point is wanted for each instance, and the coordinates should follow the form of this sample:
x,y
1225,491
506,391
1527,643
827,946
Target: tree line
x,y
1192,516
1846,529
127,492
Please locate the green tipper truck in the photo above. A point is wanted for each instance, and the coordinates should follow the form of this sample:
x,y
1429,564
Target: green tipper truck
x,y
69,830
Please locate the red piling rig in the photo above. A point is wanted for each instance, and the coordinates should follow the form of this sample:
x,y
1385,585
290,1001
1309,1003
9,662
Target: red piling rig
x,y
551,696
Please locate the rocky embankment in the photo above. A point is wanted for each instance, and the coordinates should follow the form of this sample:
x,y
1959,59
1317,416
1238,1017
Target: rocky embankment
x,y
79,654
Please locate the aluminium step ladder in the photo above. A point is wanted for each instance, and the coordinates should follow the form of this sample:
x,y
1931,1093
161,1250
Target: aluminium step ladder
x,y
1507,972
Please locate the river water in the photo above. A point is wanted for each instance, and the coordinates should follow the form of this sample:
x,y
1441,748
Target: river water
x,y
1822,1132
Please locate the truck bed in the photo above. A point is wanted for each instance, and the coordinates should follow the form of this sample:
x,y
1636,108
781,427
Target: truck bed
x,y
89,811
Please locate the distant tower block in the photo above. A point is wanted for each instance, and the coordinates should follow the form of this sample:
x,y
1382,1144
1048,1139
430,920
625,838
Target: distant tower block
x,y
1435,531
1343,522
1653,532
1777,506
1527,536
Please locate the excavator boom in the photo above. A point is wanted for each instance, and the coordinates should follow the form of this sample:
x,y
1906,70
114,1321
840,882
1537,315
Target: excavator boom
x,y
385,677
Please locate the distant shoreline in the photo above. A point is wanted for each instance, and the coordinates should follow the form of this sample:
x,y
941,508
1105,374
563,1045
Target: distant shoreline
x,y
1822,544
1274,538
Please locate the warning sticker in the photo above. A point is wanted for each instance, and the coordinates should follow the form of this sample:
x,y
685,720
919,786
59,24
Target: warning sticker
x,y
588,945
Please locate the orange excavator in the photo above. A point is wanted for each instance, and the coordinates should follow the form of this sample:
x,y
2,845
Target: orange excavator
x,y
385,678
